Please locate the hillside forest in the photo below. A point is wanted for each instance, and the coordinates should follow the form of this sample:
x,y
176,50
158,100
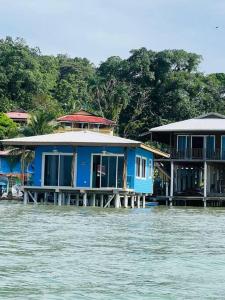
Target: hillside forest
x,y
145,90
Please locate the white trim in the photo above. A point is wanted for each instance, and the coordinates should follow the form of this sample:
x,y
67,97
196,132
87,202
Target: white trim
x,y
101,155
145,175
59,154
151,168
221,146
146,167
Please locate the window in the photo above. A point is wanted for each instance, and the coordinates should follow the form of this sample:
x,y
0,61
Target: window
x,y
58,170
138,166
107,171
141,167
150,168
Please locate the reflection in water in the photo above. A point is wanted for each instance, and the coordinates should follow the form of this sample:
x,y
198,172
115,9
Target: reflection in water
x,y
51,252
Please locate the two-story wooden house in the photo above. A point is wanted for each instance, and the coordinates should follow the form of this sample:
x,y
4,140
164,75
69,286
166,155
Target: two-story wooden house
x,y
196,167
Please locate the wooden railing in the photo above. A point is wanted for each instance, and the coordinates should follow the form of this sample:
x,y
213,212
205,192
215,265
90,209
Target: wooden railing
x,y
197,154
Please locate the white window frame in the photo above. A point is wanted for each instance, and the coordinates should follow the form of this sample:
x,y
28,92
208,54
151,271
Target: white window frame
x,y
140,159
146,167
151,168
145,175
59,154
101,155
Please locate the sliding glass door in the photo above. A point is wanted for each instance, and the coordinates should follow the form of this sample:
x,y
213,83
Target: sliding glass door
x,y
107,171
58,170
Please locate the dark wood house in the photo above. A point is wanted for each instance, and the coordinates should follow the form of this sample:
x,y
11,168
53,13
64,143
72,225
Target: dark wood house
x,y
196,167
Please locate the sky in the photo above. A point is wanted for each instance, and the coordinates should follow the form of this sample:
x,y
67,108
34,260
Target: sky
x,y
98,29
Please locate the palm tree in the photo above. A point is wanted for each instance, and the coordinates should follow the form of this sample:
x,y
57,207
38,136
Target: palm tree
x,y
25,156
40,123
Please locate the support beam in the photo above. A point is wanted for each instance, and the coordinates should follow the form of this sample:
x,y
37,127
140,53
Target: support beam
x,y
117,201
138,201
205,179
132,201
25,197
85,199
45,198
93,200
32,197
60,199
172,179
55,198
68,199
102,200
125,201
143,201
77,199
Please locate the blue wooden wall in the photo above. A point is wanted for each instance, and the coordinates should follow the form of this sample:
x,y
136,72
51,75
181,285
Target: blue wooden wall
x,y
6,167
83,176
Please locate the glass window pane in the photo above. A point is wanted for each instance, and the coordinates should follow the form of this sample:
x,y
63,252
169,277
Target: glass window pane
x,y
65,174
51,170
112,171
96,171
120,172
138,166
104,171
143,168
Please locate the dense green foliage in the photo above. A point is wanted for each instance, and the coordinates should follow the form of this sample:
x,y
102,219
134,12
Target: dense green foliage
x,y
8,128
145,90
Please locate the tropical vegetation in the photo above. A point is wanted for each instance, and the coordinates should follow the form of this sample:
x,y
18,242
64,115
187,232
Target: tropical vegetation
x,y
146,89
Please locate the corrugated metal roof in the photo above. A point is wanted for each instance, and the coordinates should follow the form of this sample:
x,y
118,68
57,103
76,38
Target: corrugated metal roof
x,y
85,119
72,138
79,138
17,115
208,122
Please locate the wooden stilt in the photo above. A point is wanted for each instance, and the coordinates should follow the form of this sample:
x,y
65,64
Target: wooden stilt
x,y
85,199
102,200
125,201
45,198
60,199
35,197
117,201
77,199
132,201
25,197
55,198
93,200
138,201
68,199
143,201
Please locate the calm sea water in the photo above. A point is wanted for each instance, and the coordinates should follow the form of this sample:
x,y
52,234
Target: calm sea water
x,y
51,252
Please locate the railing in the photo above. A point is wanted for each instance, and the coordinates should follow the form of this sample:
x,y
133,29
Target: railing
x,y
197,154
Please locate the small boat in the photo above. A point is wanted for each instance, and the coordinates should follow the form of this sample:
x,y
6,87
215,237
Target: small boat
x,y
151,203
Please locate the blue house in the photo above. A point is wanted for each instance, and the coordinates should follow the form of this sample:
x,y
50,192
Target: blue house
x,y
89,168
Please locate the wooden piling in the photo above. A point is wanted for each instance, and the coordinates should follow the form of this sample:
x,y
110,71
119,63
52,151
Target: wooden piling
x,y
85,199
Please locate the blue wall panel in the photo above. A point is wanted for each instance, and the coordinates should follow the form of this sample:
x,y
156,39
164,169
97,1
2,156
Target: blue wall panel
x,y
84,155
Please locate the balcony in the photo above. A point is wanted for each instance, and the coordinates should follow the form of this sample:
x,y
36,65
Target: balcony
x,y
197,154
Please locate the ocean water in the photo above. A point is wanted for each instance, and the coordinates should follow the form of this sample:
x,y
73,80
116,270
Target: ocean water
x,y
49,252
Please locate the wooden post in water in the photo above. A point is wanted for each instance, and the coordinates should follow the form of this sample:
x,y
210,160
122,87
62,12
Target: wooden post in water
x,y
143,201
60,199
102,200
125,201
25,197
85,199
93,199
77,199
132,201
117,201
68,199
55,198
138,201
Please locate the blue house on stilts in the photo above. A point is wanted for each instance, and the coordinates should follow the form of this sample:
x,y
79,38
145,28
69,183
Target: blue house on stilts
x,y
89,168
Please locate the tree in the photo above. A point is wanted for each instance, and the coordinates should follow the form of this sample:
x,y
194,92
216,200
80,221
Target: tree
x,y
8,128
40,123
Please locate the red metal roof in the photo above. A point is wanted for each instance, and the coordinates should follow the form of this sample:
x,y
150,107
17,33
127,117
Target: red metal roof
x,y
85,119
17,115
